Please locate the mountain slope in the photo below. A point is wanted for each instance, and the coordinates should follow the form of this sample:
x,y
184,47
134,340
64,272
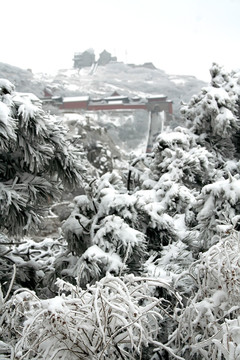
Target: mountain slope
x,y
23,80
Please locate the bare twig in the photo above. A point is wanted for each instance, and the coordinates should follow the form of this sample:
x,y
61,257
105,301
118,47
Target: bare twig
x,y
11,283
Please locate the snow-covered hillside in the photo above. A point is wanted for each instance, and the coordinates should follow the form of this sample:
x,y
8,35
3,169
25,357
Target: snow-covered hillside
x,y
104,80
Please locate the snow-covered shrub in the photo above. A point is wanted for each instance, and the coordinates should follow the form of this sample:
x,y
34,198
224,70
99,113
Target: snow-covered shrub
x,y
76,228
100,157
181,159
217,207
173,261
115,318
106,217
209,325
212,114
115,235
35,264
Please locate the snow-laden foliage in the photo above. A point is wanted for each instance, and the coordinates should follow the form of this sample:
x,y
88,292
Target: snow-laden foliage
x,y
218,207
168,188
209,325
35,160
179,157
104,225
213,113
34,263
115,318
124,224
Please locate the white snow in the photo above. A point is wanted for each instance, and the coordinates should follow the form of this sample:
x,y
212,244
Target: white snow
x,y
178,81
6,84
75,98
111,259
4,113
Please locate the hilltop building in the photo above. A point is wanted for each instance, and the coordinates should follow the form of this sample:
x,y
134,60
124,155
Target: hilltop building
x,y
105,57
87,58
153,103
83,59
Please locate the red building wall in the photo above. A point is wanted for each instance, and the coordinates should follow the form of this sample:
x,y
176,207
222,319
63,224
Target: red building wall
x,y
162,104
116,107
170,108
74,105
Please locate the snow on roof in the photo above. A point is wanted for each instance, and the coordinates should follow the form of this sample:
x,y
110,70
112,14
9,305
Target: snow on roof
x,y
115,98
76,98
135,97
116,102
156,96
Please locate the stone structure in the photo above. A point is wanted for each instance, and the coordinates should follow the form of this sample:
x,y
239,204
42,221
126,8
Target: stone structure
x,y
156,124
105,57
87,58
83,59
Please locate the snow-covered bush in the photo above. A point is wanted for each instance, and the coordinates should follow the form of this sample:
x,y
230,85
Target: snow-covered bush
x,y
115,318
218,209
178,156
102,228
212,114
209,325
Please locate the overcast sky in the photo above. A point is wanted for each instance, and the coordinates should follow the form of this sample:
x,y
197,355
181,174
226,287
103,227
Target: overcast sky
x,y
178,36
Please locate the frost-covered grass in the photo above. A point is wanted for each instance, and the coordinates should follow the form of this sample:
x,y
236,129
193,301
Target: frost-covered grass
x,y
114,319
209,325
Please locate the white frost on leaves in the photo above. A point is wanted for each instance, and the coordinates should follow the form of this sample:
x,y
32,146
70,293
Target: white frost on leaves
x,y
223,122
179,137
145,197
26,108
6,84
232,166
56,306
4,113
175,259
224,190
114,229
82,204
111,260
72,224
208,318
91,322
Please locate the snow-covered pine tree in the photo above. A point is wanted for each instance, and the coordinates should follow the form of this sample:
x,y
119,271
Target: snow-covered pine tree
x,y
35,160
209,324
212,114
213,117
101,231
